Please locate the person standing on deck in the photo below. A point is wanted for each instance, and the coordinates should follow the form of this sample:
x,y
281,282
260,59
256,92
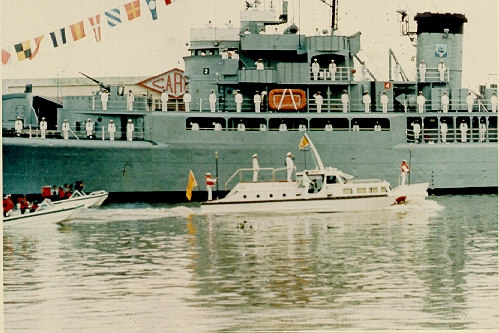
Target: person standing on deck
x,y
318,101
130,98
255,166
18,126
355,127
397,71
289,166
43,127
187,101
493,102
316,68
470,101
443,130
89,128
65,129
482,130
422,71
129,130
344,101
238,98
283,127
364,71
306,183
210,182
405,170
257,99
104,97
441,70
421,100
384,102
259,65
111,128
366,99
213,101
416,129
463,127
164,100
444,100
377,127
332,70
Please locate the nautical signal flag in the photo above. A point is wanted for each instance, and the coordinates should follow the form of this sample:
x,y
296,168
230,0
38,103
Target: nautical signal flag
x,y
133,9
6,57
152,7
95,23
169,2
77,30
38,40
113,17
58,37
23,50
191,183
303,143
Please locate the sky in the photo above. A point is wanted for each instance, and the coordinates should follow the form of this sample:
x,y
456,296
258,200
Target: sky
x,y
143,47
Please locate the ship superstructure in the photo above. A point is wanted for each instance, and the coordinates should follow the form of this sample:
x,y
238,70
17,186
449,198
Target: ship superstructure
x,y
279,77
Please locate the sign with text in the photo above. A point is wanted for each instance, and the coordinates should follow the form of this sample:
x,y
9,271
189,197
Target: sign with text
x,y
173,81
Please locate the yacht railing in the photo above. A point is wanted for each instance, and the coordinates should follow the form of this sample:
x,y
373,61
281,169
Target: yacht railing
x,y
240,172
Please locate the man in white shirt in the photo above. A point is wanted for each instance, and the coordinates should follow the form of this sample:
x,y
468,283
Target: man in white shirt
x,y
421,100
470,101
493,102
255,166
316,68
18,126
187,101
164,100
366,99
43,127
257,99
422,71
111,128
213,101
238,98
444,100
289,166
130,98
441,70
384,102
332,70
344,101
318,101
129,130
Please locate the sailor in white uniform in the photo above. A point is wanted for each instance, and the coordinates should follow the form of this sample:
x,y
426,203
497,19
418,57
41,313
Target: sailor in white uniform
x,y
255,168
318,101
404,171
194,127
129,130
422,71
213,101
241,127
65,129
397,71
328,127
238,98
283,127
306,183
366,99
104,97
164,100
416,129
229,25
259,65
257,99
111,128
384,102
18,126
302,128
130,98
225,54
493,102
218,126
441,70
421,100
364,71
289,166
377,127
445,102
332,70
43,127
470,101
463,127
187,101
316,68
210,182
344,101
482,131
443,130
355,127
89,127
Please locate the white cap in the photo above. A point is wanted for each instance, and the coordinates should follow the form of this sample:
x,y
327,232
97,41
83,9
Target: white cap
x,y
288,154
129,120
208,173
404,161
255,155
111,121
315,59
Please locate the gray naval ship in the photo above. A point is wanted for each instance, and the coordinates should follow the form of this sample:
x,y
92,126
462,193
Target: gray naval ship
x,y
278,76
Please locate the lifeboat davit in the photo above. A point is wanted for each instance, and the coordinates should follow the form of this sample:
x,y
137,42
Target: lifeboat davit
x,y
287,99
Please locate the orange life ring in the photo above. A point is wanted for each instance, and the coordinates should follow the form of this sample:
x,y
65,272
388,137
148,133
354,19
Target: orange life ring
x,y
281,100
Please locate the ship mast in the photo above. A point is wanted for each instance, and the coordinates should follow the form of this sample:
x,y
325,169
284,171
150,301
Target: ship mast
x,y
334,14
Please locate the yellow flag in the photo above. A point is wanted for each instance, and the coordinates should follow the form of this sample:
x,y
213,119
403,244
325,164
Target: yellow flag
x,y
191,183
303,143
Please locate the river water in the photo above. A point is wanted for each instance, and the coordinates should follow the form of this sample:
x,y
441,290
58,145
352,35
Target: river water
x,y
163,268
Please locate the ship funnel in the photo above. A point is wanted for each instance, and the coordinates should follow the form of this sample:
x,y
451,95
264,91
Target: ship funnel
x,y
440,37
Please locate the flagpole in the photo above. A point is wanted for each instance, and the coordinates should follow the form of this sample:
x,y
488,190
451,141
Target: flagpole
x,y
216,168
410,165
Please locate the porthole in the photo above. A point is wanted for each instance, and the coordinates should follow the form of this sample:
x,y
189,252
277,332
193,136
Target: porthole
x,y
244,196
284,194
258,195
271,195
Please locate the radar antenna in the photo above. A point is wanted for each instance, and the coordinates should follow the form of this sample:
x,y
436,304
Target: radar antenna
x,y
333,4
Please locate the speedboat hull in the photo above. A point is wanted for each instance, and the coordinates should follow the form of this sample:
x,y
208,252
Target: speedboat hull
x,y
53,215
92,200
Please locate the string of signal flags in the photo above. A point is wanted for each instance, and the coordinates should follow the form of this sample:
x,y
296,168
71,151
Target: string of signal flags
x,y
58,38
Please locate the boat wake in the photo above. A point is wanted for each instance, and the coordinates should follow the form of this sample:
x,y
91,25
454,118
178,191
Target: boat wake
x,y
128,214
425,205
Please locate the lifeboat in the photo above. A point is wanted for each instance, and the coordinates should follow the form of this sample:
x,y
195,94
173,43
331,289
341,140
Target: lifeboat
x,y
287,99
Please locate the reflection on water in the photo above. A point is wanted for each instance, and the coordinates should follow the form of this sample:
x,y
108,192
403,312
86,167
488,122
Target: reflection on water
x,y
153,268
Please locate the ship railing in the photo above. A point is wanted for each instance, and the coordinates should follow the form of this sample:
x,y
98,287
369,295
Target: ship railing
x,y
433,75
342,74
119,103
432,136
269,174
79,132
